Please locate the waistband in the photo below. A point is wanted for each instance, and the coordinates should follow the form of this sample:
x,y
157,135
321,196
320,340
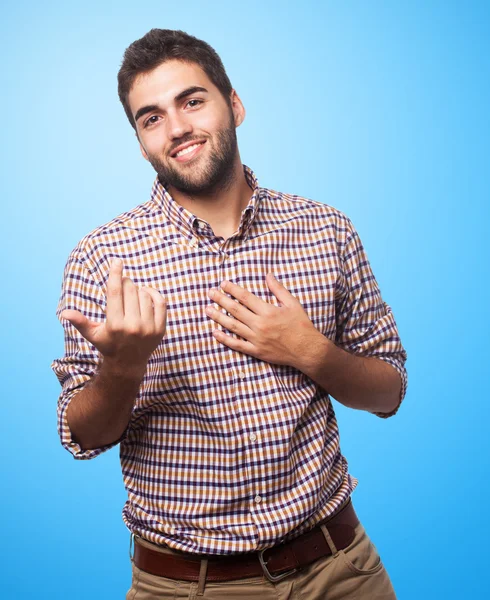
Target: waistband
x,y
333,533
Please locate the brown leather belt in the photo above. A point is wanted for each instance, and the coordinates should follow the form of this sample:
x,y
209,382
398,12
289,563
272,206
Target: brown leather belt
x,y
275,563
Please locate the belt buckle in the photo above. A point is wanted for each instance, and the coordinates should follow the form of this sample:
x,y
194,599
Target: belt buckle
x,y
267,573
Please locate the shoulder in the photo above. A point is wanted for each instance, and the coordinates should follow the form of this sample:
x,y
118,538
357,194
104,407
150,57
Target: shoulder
x,y
323,214
119,233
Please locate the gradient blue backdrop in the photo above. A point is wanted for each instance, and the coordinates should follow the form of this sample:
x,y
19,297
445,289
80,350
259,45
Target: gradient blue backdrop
x,y
377,108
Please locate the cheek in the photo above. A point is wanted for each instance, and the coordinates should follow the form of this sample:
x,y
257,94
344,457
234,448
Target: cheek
x,y
210,123
156,144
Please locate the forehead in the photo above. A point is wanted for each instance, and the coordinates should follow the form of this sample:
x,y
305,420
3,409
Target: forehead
x,y
162,84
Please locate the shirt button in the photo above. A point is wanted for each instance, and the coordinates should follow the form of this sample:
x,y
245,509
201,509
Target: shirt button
x,y
258,499
252,437
241,374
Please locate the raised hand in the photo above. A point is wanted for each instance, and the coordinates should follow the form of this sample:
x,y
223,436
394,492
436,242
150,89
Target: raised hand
x,y
136,320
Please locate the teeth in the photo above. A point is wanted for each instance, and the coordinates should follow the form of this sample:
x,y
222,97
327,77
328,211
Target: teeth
x,y
187,150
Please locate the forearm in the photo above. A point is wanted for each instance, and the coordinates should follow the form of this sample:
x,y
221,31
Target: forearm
x,y
364,383
100,413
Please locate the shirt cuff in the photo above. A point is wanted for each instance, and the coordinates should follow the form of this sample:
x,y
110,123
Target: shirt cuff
x,y
403,376
66,435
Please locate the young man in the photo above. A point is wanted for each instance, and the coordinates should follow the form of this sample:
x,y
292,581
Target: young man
x,y
212,360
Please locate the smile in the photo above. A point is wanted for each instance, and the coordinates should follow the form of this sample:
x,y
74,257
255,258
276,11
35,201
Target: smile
x,y
189,152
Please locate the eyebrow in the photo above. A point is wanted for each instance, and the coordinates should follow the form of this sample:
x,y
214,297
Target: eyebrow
x,y
150,107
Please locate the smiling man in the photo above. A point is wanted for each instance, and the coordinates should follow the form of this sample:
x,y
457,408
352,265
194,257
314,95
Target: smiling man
x,y
213,361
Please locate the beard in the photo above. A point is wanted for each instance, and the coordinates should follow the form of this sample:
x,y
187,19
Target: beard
x,y
216,174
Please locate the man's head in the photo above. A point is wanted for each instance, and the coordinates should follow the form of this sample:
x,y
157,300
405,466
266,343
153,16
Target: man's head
x,y
161,45
176,93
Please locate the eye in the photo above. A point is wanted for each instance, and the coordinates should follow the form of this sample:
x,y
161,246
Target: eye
x,y
194,100
149,122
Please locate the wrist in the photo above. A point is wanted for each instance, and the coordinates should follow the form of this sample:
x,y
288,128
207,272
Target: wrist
x,y
115,368
312,355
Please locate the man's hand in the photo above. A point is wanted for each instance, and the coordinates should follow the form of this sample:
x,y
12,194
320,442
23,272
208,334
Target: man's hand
x,y
135,322
274,334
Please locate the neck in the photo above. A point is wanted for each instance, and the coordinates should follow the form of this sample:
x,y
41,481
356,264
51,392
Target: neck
x,y
221,208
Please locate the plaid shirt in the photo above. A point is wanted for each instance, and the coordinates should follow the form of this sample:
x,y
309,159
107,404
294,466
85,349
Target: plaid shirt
x,y
226,453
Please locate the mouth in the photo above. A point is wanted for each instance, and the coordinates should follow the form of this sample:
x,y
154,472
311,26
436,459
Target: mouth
x,y
189,152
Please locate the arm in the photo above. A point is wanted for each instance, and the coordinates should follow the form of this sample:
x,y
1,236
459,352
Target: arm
x,y
357,382
367,350
105,359
99,414
363,368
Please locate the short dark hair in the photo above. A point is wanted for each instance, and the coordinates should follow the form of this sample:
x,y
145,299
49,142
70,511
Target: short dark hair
x,y
161,45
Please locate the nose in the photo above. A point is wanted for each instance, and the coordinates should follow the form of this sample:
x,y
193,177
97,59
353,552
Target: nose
x,y
177,125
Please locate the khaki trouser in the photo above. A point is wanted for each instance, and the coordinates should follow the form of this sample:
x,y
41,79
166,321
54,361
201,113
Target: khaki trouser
x,y
353,573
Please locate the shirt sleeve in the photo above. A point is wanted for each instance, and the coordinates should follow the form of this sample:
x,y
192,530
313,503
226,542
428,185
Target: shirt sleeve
x,y
365,323
80,362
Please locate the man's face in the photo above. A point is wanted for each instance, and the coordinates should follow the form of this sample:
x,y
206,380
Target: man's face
x,y
171,115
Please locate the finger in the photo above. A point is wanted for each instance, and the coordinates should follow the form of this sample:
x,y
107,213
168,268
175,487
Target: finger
x,y
234,308
159,308
115,306
233,325
132,311
245,297
280,292
146,309
79,321
235,344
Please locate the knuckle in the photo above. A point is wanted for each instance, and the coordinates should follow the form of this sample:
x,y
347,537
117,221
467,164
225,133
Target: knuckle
x,y
133,329
154,294
259,353
144,296
235,309
114,327
127,283
263,328
113,291
270,311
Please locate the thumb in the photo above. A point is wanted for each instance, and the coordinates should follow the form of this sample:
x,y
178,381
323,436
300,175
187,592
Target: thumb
x,y
78,321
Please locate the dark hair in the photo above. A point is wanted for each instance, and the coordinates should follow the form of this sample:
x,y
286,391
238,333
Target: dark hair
x,y
161,45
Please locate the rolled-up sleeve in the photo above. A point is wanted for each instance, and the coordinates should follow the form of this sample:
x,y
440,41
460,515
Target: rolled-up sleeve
x,y
365,323
80,361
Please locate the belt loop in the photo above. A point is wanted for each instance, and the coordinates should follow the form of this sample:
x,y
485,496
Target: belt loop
x,y
131,547
202,577
330,542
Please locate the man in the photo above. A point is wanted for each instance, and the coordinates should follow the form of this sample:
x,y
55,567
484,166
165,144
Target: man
x,y
213,359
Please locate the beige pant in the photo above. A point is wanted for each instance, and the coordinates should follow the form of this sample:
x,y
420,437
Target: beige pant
x,y
353,573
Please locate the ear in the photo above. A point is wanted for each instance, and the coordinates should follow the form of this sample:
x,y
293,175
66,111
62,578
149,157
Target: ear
x,y
238,108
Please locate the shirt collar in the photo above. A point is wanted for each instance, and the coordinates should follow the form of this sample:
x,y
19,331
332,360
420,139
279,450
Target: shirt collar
x,y
188,224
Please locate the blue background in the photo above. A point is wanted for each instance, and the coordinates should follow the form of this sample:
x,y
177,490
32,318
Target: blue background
x,y
380,109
